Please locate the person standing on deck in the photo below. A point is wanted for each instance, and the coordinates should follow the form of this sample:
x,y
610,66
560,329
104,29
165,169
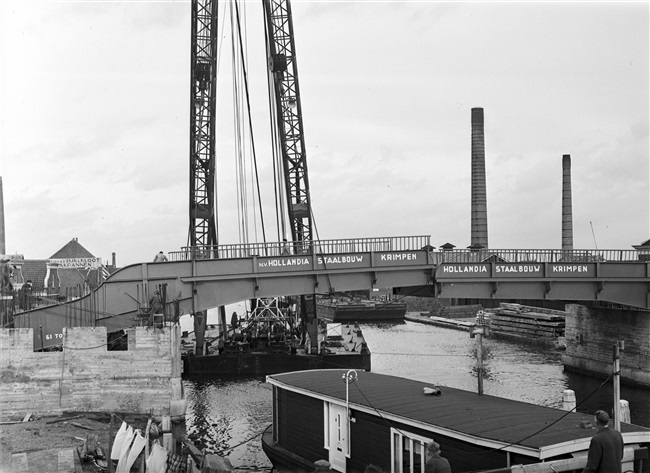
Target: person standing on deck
x,y
434,462
605,449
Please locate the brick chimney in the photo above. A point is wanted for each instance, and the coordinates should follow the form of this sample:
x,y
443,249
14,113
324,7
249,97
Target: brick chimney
x,y
567,212
479,192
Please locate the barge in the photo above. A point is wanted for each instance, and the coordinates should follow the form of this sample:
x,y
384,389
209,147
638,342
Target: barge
x,y
341,346
249,351
340,309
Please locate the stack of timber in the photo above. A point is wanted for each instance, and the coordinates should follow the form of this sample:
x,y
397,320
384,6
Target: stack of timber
x,y
531,323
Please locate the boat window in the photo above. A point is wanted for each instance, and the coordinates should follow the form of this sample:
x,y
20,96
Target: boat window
x,y
407,452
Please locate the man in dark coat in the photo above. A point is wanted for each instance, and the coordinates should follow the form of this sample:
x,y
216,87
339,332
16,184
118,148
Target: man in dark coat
x,y
605,449
434,462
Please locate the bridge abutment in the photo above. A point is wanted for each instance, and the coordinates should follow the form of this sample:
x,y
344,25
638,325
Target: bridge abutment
x,y
591,333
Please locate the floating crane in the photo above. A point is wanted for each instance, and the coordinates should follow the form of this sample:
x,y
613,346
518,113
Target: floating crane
x,y
287,130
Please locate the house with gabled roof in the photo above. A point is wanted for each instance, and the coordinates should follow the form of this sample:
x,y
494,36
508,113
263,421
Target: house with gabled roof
x,y
69,273
77,270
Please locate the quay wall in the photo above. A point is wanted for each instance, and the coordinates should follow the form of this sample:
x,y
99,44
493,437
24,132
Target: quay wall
x,y
87,377
592,332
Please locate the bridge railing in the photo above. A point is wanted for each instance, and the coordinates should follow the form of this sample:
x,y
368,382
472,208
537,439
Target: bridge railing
x,y
402,243
347,245
486,255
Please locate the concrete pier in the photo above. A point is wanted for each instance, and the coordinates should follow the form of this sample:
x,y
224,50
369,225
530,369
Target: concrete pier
x,y
591,334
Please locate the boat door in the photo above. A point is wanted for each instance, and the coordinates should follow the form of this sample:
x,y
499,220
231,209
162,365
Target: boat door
x,y
338,437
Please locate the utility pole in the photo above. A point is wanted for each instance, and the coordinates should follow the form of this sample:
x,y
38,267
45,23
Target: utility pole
x,y
479,356
477,331
617,384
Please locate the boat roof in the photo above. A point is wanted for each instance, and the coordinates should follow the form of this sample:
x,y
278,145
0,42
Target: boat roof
x,y
493,422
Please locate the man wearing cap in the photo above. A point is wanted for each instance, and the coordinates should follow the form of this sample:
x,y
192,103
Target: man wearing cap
x,y
605,449
434,462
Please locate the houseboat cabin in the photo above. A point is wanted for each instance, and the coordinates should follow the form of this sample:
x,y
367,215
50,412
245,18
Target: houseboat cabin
x,y
355,419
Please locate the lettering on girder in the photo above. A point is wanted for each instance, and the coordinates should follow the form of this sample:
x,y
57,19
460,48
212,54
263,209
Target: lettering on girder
x,y
468,270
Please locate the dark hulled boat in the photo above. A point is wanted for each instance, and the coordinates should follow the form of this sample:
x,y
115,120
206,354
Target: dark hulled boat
x,y
270,341
355,419
238,358
345,309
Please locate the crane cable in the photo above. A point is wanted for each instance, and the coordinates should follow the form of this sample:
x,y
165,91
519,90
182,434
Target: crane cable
x,y
244,76
237,124
214,118
276,145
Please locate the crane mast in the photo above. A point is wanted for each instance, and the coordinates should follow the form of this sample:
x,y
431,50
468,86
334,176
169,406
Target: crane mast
x,y
202,235
203,231
284,71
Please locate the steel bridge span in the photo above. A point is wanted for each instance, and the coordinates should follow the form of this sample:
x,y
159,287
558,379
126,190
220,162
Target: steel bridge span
x,y
197,279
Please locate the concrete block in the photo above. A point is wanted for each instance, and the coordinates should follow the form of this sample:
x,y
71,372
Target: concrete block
x,y
177,408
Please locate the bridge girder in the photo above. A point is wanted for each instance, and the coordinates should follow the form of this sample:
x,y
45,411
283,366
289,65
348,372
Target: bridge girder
x,y
218,282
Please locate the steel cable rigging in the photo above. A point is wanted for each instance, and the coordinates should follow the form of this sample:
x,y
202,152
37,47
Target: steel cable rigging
x,y
276,149
242,110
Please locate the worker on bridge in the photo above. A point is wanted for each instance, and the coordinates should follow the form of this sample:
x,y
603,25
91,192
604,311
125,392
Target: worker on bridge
x,y
160,257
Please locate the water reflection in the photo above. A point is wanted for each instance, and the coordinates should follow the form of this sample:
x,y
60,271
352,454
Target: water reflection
x,y
227,416
230,414
517,371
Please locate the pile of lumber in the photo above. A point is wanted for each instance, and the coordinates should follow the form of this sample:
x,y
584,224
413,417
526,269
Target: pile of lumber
x,y
527,321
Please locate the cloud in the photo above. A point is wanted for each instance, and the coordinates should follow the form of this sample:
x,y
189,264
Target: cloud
x,y
95,121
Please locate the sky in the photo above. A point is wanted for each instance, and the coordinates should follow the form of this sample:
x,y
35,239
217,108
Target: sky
x,y
95,114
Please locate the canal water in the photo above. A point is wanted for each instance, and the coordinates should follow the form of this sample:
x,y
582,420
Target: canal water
x,y
229,414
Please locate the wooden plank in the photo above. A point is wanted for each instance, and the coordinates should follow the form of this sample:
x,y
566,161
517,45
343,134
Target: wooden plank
x,y
507,323
530,315
63,419
81,426
528,322
168,439
527,308
515,323
537,333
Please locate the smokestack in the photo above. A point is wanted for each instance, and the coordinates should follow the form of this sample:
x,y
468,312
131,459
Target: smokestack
x,y
3,248
567,212
479,193
114,259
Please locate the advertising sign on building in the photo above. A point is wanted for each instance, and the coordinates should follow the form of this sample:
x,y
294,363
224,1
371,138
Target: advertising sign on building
x,y
77,263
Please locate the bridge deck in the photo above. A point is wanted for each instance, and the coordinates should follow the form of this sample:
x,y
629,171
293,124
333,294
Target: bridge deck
x,y
408,264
